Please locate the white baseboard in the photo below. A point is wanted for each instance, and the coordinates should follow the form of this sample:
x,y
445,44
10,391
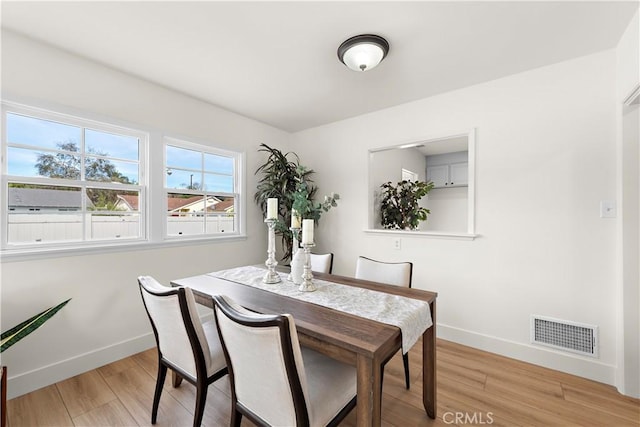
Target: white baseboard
x,y
51,374
566,362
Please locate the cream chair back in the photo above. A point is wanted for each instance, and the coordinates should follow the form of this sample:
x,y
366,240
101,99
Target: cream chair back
x,y
322,263
391,273
265,363
168,320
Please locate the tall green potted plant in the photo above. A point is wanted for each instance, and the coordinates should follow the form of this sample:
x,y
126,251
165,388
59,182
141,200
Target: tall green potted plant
x,y
399,207
284,178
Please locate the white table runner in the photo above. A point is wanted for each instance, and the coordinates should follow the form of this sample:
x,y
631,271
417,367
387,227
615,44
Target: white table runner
x,y
412,316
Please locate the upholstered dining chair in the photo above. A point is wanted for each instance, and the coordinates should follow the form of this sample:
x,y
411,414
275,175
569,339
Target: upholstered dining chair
x,y
322,263
275,381
186,345
391,273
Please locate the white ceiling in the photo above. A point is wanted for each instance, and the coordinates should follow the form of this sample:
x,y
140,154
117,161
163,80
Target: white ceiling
x,y
276,61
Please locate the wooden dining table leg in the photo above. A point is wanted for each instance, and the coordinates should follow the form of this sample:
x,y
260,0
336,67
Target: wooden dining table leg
x,y
369,406
429,365
176,379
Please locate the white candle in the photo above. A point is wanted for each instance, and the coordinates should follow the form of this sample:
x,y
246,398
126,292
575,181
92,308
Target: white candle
x,y
272,208
295,219
307,231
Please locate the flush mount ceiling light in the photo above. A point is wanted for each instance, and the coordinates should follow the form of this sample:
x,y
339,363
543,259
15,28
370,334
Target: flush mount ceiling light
x,y
363,52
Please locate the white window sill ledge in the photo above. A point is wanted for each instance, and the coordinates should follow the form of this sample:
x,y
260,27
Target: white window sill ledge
x,y
428,234
27,254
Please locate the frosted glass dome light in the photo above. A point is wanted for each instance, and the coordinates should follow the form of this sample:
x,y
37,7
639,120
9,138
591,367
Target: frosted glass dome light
x,y
363,52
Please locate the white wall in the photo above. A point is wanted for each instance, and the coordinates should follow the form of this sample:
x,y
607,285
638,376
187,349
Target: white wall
x,y
449,209
105,319
628,151
546,157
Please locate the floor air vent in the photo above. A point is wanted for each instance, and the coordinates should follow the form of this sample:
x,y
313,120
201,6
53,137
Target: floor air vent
x,y
565,335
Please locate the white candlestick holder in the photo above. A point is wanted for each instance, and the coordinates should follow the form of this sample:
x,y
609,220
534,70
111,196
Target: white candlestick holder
x,y
307,277
295,231
271,276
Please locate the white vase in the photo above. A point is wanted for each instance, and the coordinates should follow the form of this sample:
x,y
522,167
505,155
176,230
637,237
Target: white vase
x,y
297,266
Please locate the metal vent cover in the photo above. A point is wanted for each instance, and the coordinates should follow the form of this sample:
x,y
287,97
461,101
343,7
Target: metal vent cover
x,y
565,335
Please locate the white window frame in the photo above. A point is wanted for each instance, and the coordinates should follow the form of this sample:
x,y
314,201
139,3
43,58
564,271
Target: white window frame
x,y
83,184
237,194
151,180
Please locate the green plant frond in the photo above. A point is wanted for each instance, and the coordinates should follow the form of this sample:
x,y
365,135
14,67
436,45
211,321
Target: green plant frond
x,y
23,329
284,178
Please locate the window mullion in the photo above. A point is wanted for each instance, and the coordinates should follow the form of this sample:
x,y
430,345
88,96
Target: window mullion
x,y
84,196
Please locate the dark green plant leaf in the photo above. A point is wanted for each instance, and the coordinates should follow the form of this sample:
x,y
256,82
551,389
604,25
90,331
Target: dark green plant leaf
x,y
291,183
399,207
20,331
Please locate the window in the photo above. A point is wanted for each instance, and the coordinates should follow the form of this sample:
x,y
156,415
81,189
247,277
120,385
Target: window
x,y
70,180
71,183
202,190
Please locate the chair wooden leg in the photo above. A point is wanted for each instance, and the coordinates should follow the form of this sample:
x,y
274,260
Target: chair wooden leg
x,y
176,379
162,374
236,417
405,359
201,399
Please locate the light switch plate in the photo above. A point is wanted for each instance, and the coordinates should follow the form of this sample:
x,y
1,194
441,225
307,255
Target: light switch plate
x,y
607,209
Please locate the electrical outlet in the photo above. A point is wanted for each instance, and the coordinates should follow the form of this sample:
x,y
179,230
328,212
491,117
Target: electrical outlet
x,y
397,244
607,209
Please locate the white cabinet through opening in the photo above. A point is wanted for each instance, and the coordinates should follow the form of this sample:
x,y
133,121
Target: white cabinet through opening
x,y
448,170
439,175
458,174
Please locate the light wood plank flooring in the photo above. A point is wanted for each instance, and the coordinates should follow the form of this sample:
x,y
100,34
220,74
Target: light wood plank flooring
x,y
474,388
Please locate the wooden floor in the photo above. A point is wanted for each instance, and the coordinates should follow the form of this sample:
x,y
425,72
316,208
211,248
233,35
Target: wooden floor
x,y
474,388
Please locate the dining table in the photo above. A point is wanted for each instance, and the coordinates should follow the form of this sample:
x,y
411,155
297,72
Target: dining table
x,y
364,343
